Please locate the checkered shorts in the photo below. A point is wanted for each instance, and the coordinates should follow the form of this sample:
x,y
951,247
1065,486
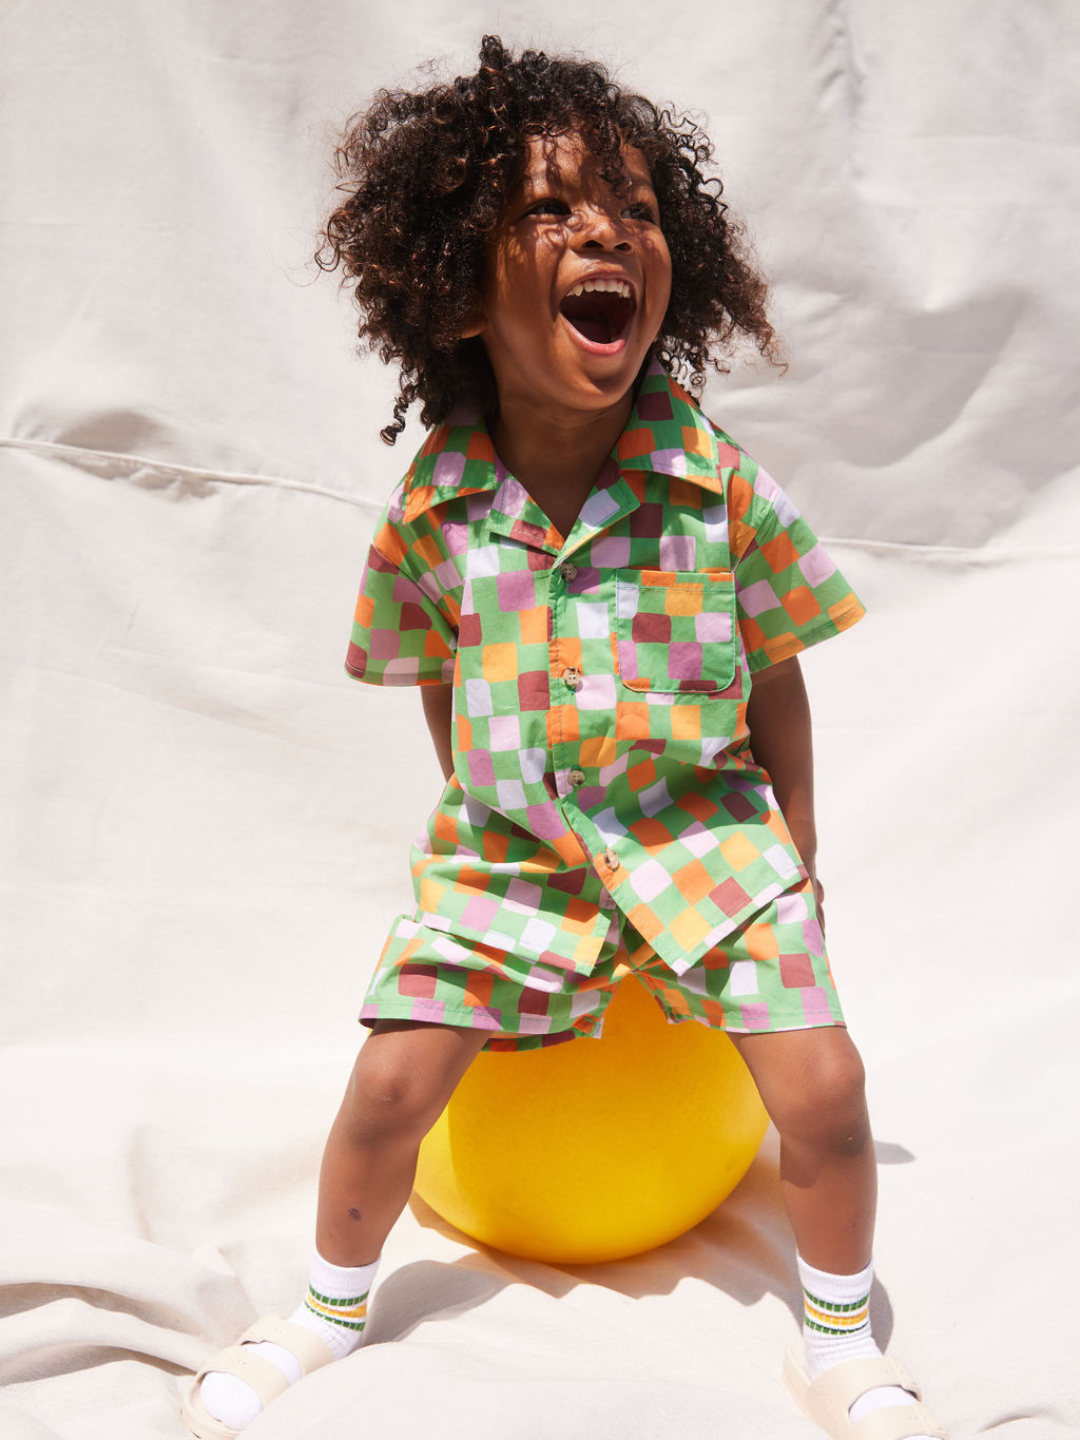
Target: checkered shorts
x,y
771,974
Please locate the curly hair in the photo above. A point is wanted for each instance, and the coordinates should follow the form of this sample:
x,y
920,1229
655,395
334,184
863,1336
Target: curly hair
x,y
426,176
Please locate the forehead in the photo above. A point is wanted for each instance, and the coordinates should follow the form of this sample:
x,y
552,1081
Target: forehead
x,y
567,160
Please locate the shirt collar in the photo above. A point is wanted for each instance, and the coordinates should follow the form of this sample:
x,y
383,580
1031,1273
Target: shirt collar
x,y
666,433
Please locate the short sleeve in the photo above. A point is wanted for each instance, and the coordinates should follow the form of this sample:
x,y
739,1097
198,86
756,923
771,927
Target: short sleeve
x,y
789,593
399,635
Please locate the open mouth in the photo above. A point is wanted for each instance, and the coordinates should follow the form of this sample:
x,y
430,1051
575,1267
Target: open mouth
x,y
599,310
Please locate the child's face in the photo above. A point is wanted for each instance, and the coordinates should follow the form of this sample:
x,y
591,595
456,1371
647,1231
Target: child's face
x,y
564,227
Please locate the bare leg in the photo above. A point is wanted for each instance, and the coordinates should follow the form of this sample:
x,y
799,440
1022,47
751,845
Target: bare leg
x,y
403,1077
812,1085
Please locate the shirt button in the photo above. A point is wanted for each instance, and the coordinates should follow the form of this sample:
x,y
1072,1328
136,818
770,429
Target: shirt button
x,y
571,678
568,571
575,777
610,859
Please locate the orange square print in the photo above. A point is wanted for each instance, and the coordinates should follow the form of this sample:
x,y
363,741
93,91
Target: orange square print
x,y
761,942
696,441
739,851
480,446
800,604
683,599
534,625
598,750
633,443
478,988
780,552
694,881
689,929
686,722
428,549
500,661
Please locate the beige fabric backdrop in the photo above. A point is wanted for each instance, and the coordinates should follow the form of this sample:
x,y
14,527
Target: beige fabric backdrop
x,y
205,824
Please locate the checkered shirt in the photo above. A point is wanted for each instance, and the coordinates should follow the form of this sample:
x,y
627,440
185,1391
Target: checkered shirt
x,y
600,681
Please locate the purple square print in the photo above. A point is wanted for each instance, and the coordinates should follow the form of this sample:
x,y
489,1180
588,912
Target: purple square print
x,y
448,468
533,691
669,462
470,631
517,591
569,882
684,660
479,913
378,561
645,628
417,981
455,536
817,565
738,807
545,822
532,1002
414,618
481,768
677,552
385,644
647,522
611,551
730,896
815,1004
655,406
796,971
712,626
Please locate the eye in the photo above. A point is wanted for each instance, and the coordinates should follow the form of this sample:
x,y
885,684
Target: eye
x,y
549,206
642,210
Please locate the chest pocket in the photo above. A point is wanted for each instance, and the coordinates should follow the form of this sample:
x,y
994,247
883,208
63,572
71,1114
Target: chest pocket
x,y
675,630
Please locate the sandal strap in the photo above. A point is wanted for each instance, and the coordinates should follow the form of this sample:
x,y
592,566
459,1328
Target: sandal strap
x,y
312,1352
255,1370
831,1395
843,1384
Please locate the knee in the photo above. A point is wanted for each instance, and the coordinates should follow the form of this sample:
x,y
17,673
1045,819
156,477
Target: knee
x,y
827,1108
389,1101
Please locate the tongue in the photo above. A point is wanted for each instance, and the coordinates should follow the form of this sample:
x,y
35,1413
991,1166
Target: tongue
x,y
593,327
599,317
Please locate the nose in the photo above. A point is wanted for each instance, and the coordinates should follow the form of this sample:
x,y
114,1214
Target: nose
x,y
603,229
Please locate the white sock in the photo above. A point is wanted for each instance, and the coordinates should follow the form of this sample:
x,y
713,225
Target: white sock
x,y
334,1309
836,1327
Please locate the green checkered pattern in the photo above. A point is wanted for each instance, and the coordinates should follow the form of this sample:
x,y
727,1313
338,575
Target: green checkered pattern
x,y
600,684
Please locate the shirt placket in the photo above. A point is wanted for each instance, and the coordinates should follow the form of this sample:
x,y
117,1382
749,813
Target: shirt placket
x,y
603,509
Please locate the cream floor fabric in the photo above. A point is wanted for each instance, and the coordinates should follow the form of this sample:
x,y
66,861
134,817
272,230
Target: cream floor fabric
x,y
205,824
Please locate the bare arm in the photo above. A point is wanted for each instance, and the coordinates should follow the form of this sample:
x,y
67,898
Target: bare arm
x,y
778,717
438,712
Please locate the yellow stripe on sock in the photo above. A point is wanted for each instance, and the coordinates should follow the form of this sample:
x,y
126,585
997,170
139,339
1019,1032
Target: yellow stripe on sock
x,y
838,1322
358,1312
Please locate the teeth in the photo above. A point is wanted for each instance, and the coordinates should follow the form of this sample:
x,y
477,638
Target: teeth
x,y
617,287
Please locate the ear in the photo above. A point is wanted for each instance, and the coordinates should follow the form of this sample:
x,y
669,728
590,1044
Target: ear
x,y
475,325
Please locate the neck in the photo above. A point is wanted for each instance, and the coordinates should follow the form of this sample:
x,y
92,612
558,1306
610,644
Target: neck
x,y
558,457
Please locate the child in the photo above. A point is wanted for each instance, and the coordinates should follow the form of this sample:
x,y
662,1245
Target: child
x,y
584,575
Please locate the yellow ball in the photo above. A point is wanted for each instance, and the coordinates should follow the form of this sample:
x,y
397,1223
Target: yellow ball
x,y
595,1149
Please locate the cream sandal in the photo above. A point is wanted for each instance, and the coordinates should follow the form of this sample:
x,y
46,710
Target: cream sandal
x,y
264,1378
827,1400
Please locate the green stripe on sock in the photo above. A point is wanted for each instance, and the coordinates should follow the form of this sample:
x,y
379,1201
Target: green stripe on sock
x,y
336,1300
830,1329
332,1320
833,1306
